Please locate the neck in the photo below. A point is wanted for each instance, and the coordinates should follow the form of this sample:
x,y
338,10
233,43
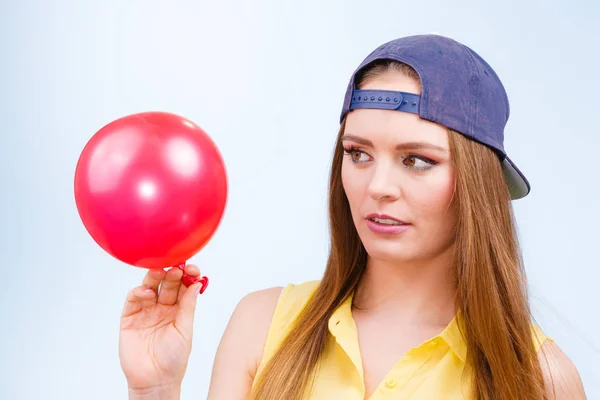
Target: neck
x,y
415,292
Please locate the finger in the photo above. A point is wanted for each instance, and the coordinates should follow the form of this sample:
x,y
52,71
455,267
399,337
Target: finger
x,y
169,288
184,318
153,278
152,281
136,300
193,271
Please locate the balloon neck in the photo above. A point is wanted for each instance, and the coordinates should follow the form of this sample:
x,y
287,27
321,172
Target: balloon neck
x,y
189,280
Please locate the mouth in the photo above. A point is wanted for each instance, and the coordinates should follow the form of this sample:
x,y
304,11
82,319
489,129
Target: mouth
x,y
384,224
383,219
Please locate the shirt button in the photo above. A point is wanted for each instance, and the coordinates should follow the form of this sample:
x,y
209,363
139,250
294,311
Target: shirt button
x,y
391,383
432,344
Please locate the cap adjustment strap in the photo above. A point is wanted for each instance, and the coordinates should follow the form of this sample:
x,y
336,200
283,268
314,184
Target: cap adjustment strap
x,y
385,100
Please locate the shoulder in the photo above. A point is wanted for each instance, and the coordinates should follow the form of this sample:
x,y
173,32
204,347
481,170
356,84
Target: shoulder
x,y
561,377
241,344
250,321
257,306
294,297
261,307
258,314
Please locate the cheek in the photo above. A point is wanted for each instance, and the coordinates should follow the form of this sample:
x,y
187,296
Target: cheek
x,y
355,185
431,197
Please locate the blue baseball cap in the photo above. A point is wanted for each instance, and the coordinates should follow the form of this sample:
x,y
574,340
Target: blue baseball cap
x,y
459,90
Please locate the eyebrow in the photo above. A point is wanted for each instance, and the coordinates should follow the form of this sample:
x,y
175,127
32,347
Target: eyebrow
x,y
402,146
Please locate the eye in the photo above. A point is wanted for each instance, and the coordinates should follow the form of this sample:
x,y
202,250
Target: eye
x,y
356,156
418,163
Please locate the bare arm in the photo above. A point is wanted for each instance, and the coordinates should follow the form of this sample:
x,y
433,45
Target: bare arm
x,y
241,346
560,374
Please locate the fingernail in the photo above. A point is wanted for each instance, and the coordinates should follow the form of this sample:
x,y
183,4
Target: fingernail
x,y
197,290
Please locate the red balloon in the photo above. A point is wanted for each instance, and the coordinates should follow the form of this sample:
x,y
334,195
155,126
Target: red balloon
x,y
151,189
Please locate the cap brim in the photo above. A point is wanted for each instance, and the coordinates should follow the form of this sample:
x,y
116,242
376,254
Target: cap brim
x,y
517,183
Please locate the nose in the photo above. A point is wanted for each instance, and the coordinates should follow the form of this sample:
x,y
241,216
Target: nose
x,y
384,184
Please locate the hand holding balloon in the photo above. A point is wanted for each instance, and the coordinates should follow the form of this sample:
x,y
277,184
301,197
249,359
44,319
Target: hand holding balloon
x,y
156,330
151,190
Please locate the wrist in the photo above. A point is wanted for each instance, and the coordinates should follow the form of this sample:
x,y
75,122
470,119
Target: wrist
x,y
166,392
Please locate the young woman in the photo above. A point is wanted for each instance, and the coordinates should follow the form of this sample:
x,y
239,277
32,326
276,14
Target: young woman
x,y
424,294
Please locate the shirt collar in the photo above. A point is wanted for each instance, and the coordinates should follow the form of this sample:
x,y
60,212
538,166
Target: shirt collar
x,y
454,338
342,321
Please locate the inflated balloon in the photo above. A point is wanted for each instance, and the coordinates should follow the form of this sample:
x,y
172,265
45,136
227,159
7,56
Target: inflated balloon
x,y
151,189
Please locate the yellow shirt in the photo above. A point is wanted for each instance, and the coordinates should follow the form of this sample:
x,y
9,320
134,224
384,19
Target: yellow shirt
x,y
432,370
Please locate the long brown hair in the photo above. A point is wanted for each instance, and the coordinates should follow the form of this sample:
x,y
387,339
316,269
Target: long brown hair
x,y
491,295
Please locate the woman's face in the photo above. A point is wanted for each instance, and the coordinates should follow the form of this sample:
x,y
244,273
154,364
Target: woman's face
x,y
399,166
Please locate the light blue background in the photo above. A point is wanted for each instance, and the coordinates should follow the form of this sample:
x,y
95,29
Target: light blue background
x,y
266,80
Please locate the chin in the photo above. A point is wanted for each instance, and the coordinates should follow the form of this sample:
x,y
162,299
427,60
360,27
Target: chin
x,y
392,251
405,249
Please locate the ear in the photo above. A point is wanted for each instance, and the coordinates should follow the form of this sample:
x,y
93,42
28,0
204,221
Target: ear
x,y
561,377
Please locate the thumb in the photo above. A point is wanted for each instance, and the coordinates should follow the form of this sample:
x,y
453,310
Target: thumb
x,y
187,307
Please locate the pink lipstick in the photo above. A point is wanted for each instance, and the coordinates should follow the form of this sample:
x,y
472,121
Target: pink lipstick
x,y
381,223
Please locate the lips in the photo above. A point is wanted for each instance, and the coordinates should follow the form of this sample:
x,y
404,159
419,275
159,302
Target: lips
x,y
383,218
385,224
